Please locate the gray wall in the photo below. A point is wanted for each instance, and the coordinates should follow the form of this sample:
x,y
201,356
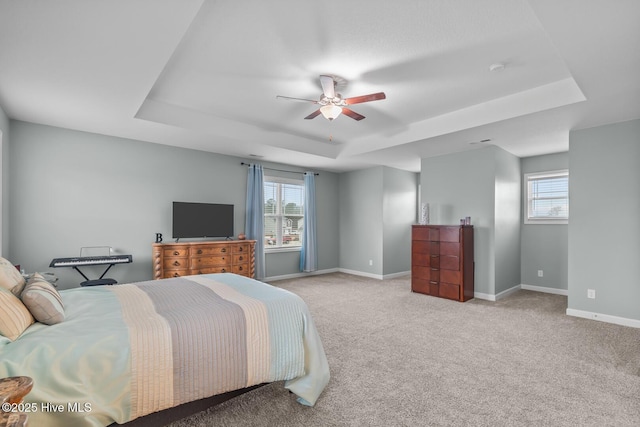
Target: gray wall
x,y
604,230
398,213
377,208
508,198
545,246
69,189
361,220
478,183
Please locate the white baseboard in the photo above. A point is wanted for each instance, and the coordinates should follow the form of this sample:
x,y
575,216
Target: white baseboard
x,y
604,318
488,297
556,291
496,297
499,296
507,292
301,274
374,276
361,273
395,275
338,270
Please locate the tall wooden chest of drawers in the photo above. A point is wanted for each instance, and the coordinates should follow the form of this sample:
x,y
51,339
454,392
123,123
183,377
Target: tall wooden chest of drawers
x,y
188,258
442,261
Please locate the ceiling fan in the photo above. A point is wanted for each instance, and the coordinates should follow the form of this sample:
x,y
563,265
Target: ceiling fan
x,y
332,104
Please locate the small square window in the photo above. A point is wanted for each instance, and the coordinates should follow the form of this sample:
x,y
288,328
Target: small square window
x,y
547,197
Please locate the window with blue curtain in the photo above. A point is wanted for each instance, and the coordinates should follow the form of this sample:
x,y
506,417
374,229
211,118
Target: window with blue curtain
x,y
283,212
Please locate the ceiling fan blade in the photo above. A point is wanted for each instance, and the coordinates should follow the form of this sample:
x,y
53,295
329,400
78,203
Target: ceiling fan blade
x,y
352,114
328,86
297,99
365,98
313,115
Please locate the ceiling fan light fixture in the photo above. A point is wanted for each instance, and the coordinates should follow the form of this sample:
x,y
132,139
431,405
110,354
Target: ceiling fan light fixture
x,y
330,111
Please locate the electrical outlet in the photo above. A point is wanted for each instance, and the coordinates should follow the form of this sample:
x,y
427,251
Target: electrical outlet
x,y
591,293
370,262
540,273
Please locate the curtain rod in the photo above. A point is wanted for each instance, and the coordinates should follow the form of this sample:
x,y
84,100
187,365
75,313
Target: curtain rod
x,y
279,170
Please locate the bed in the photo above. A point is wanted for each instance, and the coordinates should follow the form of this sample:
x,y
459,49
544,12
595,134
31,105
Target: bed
x,y
129,350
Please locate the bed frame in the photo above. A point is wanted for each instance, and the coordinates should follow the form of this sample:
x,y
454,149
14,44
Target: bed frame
x,y
179,412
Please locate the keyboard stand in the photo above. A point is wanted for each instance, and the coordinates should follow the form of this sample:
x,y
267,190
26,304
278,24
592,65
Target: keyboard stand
x,y
96,282
83,261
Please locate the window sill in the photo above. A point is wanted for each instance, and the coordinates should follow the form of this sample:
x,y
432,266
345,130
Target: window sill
x,y
546,222
282,249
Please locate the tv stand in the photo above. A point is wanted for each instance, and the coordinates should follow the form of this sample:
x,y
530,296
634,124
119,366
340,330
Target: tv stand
x,y
188,258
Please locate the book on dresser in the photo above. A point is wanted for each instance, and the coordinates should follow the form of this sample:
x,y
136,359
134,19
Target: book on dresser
x,y
189,258
442,261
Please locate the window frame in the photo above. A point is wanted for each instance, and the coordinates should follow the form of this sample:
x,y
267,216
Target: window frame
x,y
290,181
528,177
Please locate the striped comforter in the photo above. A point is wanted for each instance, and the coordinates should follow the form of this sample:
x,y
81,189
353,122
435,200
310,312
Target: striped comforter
x,y
128,350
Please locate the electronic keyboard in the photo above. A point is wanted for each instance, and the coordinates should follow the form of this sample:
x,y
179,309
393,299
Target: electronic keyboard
x,y
81,261
91,260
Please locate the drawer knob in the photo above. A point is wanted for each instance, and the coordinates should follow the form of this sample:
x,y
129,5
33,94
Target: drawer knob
x,y
224,270
241,258
223,250
199,251
176,263
176,253
176,274
240,249
240,268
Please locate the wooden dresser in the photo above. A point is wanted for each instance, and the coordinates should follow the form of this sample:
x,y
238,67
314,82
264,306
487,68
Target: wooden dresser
x,y
442,261
188,258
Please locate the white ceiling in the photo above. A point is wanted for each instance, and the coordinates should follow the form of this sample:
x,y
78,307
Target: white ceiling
x,y
205,74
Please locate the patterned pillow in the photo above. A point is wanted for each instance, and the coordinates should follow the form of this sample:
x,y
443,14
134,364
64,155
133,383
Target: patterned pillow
x,y
43,301
14,316
10,277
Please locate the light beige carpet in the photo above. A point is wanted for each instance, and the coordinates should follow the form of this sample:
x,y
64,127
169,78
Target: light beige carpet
x,y
404,359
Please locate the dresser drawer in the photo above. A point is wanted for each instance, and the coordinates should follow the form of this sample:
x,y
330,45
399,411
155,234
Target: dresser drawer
x,y
424,287
236,249
449,248
175,252
240,258
450,276
449,262
175,263
426,233
176,273
210,261
211,270
427,273
423,260
210,250
449,234
242,269
449,290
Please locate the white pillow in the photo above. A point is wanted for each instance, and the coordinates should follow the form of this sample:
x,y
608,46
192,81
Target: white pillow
x,y
15,318
10,277
43,300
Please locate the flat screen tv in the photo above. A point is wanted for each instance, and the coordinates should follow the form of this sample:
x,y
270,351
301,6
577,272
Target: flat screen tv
x,y
202,220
